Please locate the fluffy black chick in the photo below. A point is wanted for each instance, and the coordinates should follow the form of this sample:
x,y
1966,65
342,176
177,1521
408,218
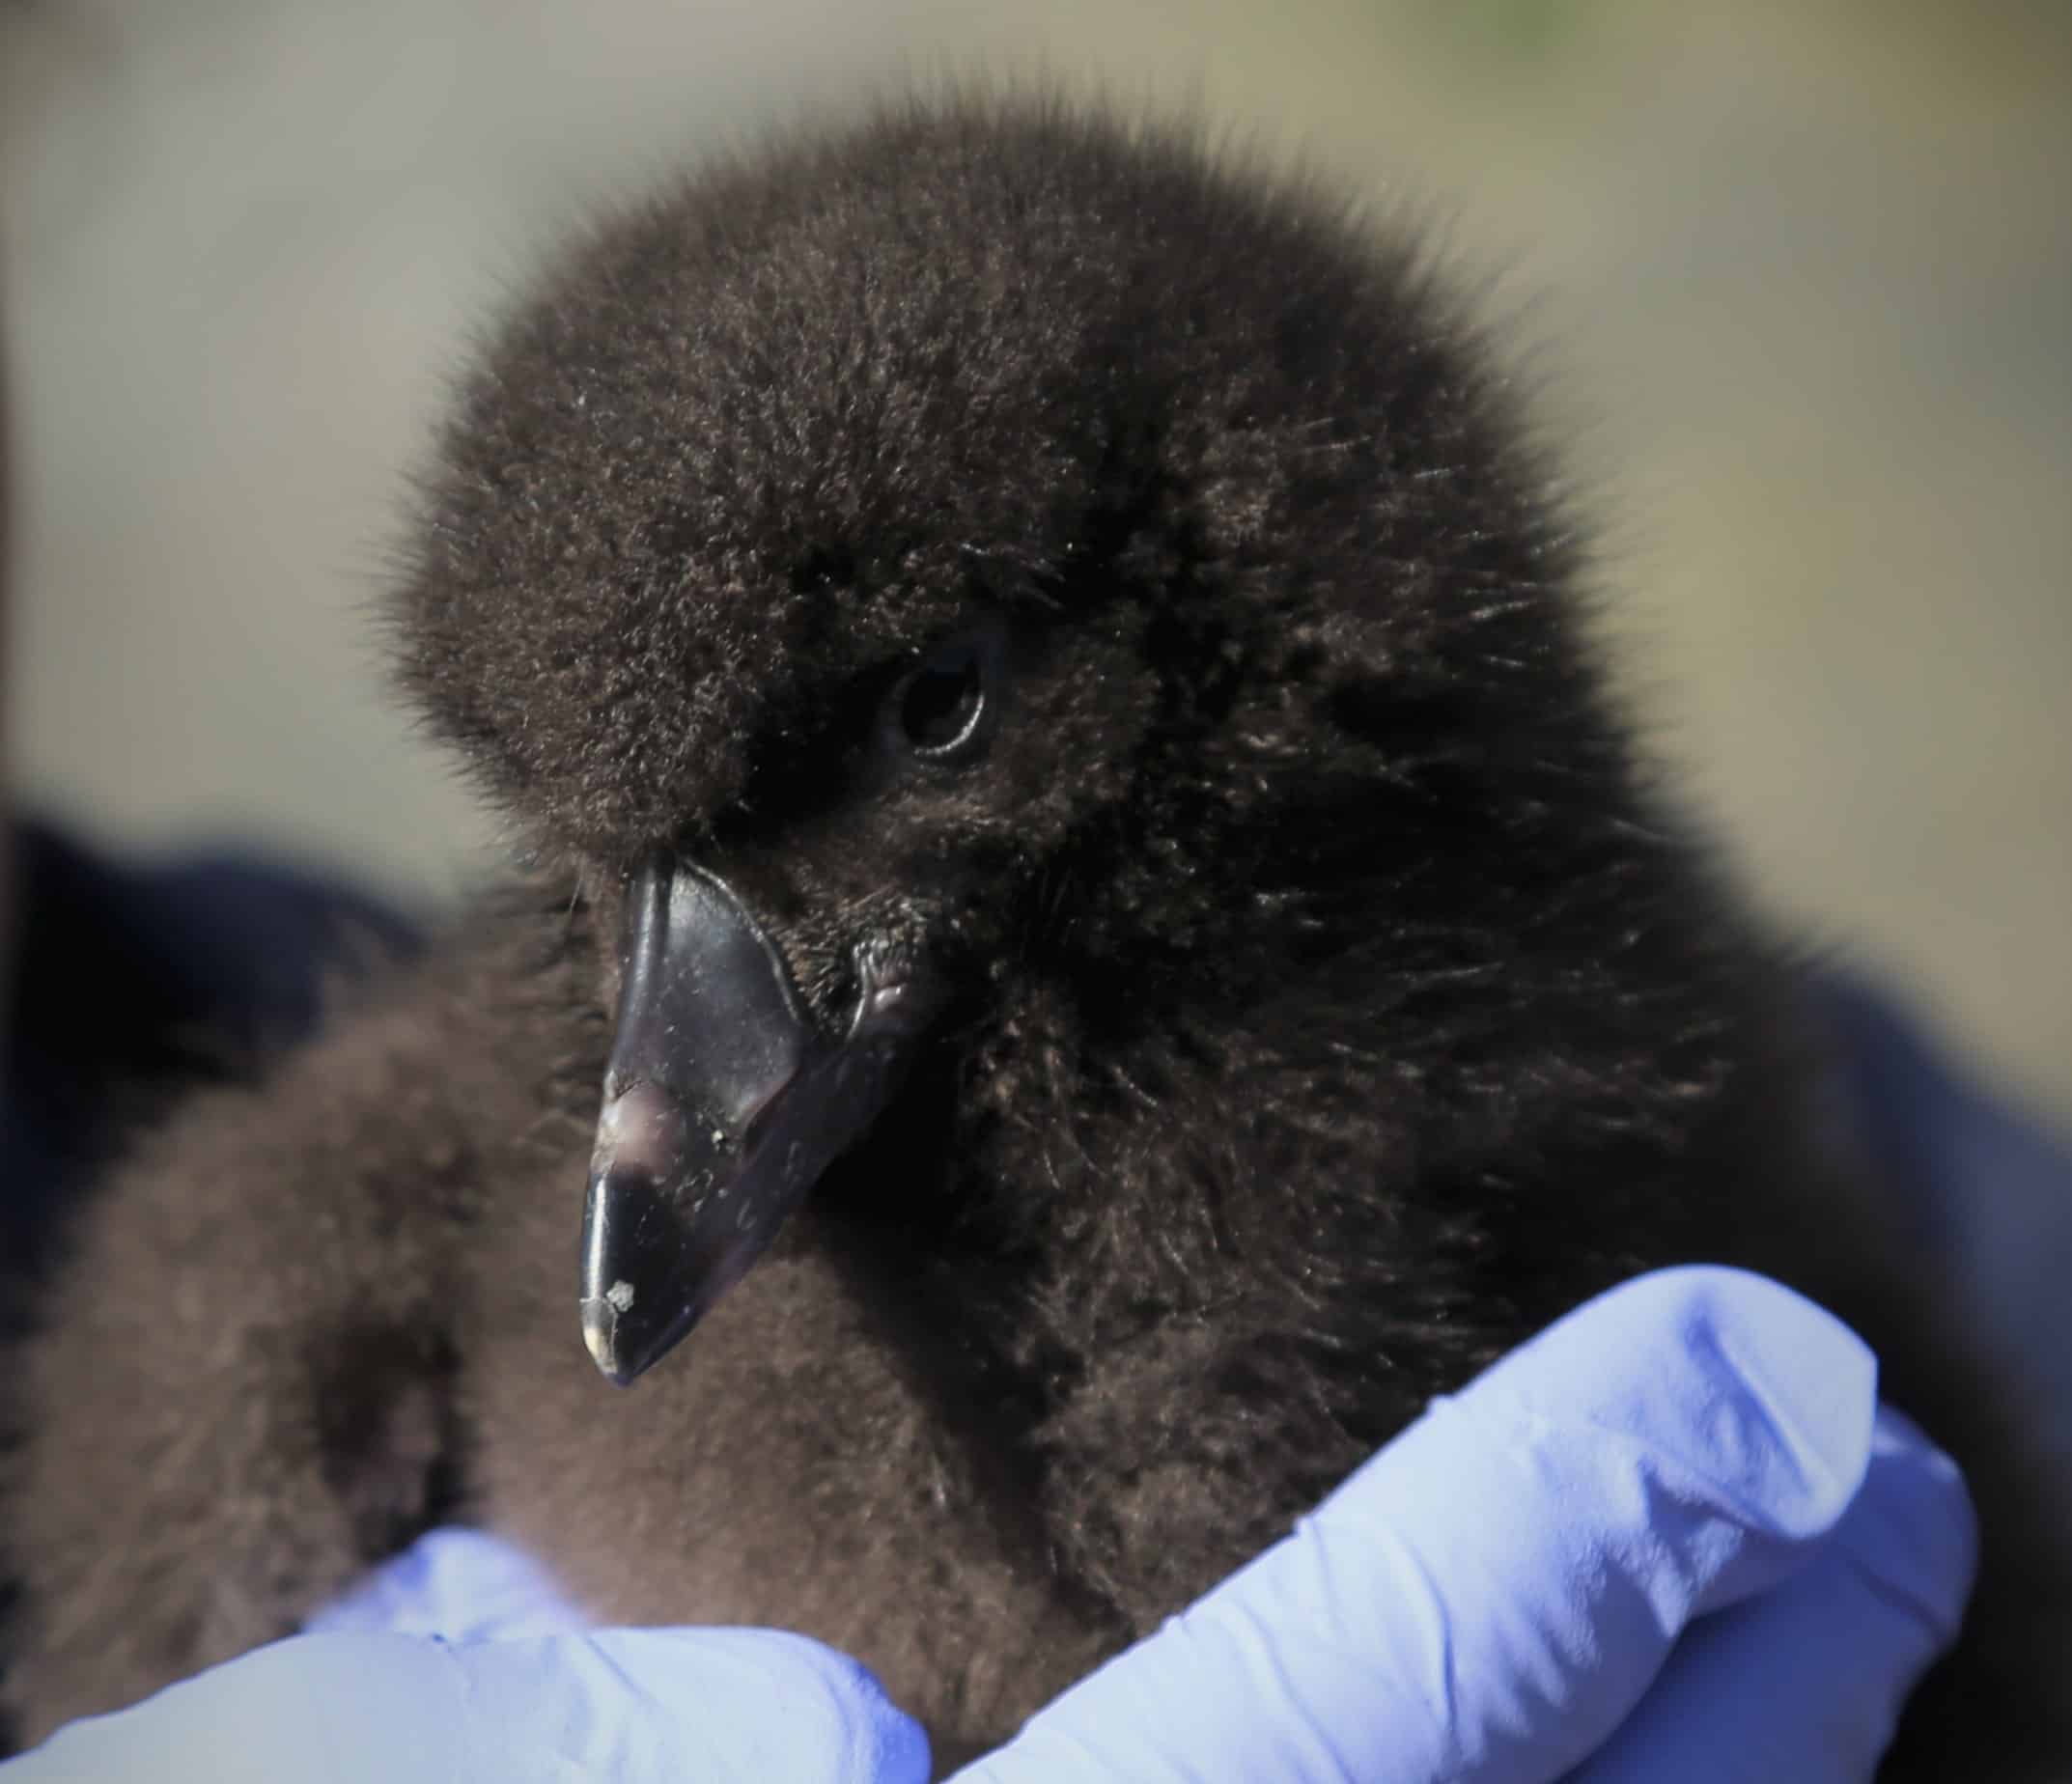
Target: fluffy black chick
x,y
1123,944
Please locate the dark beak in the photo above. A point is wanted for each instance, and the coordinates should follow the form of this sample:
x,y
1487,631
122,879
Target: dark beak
x,y
723,1103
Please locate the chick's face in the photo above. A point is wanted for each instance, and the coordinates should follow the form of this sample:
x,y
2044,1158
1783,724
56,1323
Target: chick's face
x,y
775,967
919,561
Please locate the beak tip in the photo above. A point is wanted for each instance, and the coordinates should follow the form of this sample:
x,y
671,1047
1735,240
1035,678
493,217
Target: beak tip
x,y
601,1338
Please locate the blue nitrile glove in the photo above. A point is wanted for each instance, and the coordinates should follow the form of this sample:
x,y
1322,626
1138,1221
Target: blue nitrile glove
x,y
1503,1593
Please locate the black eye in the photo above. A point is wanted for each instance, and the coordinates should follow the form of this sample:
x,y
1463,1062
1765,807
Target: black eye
x,y
936,710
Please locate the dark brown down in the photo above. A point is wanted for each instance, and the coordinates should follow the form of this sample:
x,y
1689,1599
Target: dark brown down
x,y
1332,1005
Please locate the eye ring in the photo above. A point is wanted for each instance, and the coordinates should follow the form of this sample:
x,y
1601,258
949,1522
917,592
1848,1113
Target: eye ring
x,y
937,709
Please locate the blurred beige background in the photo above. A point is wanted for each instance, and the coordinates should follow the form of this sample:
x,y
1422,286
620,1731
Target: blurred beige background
x,y
1799,275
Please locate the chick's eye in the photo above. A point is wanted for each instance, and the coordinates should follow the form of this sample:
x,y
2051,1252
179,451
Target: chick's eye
x,y
936,710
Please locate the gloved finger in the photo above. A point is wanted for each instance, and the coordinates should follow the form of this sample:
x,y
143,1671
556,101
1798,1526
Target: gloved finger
x,y
461,1584
1491,1595
622,1707
1807,1681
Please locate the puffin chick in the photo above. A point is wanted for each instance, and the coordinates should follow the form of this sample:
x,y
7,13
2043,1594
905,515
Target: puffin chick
x,y
1097,940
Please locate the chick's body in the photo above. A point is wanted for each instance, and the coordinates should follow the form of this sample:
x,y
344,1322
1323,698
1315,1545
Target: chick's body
x,y
1108,599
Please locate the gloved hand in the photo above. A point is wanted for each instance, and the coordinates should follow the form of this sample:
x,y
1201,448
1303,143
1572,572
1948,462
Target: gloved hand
x,y
1672,1537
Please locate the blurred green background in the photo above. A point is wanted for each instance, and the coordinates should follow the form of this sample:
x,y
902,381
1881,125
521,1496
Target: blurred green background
x,y
1795,278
